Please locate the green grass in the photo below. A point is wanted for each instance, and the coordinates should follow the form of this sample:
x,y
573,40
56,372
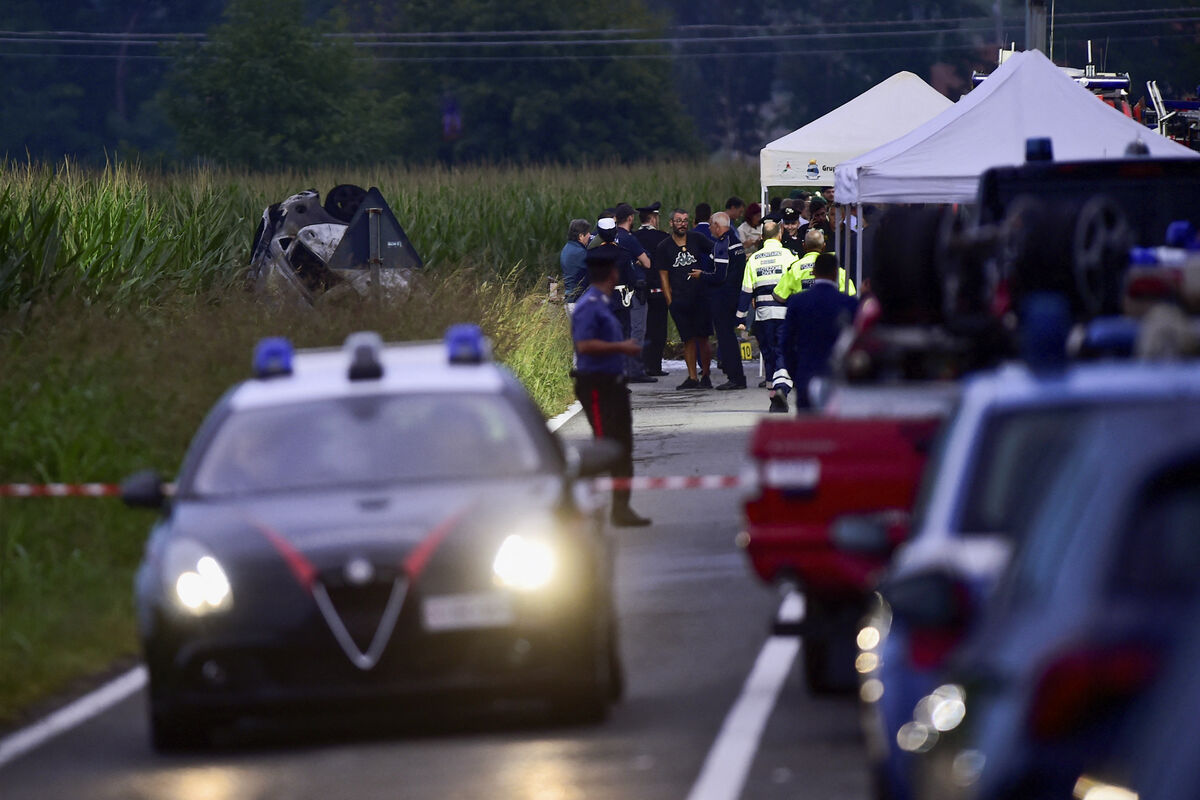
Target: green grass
x,y
122,321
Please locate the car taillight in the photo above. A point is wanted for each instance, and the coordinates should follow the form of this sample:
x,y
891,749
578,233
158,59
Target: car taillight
x,y
1083,686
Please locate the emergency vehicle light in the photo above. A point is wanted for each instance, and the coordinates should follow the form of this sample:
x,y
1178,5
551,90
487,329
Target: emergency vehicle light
x,y
466,344
272,357
366,349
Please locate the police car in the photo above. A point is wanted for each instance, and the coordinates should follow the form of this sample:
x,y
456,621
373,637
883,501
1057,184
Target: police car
x,y
374,523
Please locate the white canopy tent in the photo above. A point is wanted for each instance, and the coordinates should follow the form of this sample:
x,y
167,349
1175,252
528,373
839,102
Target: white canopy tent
x,y
809,155
1028,96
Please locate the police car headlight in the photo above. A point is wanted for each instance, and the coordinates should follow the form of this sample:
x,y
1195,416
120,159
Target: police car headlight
x,y
524,563
194,580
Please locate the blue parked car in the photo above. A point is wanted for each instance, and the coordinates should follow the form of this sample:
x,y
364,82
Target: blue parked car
x,y
999,453
1083,620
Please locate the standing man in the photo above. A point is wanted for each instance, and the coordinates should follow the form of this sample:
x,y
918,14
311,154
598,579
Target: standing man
x,y
729,260
818,213
812,322
703,214
572,260
650,237
735,207
637,279
680,260
600,351
763,271
801,276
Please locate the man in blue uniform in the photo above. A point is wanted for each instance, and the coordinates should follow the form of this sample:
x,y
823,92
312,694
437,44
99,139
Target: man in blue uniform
x,y
635,276
724,290
601,350
815,317
650,238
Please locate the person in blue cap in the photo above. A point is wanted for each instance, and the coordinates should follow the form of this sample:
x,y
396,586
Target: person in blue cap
x,y
601,349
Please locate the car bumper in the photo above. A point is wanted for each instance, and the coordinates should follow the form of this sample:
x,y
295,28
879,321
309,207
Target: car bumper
x,y
226,672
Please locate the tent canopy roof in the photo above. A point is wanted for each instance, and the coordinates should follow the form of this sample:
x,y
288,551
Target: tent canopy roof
x,y
1028,96
878,115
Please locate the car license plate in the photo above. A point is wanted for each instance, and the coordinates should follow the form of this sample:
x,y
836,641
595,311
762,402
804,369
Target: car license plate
x,y
799,474
454,612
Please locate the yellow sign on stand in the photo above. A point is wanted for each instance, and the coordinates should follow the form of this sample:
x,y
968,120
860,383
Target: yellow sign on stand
x,y
747,353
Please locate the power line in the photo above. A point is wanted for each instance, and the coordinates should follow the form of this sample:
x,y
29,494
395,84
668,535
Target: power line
x,y
1137,15
389,41
454,59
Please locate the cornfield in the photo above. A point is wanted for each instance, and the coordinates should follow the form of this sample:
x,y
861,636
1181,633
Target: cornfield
x,y
134,237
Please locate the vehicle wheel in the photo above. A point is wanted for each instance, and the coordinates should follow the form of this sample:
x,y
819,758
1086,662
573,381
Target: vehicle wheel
x,y
588,701
176,733
343,201
616,667
829,662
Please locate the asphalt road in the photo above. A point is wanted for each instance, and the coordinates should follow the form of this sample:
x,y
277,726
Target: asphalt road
x,y
693,623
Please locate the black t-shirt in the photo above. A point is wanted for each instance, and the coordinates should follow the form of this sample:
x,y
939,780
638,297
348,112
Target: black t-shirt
x,y
650,239
678,262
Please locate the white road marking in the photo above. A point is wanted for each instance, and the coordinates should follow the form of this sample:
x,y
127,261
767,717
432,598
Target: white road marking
x,y
728,762
554,423
90,705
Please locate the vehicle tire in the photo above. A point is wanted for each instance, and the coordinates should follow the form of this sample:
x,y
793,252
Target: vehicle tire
x,y
343,201
587,701
178,733
829,651
1100,254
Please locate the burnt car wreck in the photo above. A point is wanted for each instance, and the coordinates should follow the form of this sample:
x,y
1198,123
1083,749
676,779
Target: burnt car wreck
x,y
350,246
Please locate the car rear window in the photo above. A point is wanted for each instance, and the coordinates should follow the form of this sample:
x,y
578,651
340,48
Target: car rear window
x,y
1160,551
367,440
1019,455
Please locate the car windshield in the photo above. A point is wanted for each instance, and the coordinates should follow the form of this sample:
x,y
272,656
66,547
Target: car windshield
x,y
366,440
1020,453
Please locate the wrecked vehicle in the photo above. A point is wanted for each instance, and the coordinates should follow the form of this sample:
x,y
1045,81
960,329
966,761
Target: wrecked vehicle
x,y
350,246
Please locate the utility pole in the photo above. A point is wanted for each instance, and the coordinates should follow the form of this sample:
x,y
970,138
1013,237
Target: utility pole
x,y
1035,25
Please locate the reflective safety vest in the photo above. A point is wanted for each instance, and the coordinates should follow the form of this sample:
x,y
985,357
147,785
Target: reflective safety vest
x,y
800,277
763,272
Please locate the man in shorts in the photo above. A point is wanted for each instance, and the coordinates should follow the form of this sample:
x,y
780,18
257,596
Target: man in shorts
x,y
680,261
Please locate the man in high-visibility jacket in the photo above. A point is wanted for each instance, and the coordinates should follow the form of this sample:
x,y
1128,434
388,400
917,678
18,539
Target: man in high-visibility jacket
x,y
763,271
800,276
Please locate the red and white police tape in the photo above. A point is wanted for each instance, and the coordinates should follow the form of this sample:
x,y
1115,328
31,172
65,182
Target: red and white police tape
x,y
642,484
60,490
639,484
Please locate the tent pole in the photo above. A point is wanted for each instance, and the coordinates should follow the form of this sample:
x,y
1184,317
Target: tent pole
x,y
838,240
858,254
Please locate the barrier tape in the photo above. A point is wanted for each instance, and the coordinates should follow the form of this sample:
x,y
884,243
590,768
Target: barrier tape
x,y
60,490
641,484
670,483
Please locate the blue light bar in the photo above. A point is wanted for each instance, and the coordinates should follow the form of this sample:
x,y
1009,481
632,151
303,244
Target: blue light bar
x,y
466,344
272,357
1046,324
1112,335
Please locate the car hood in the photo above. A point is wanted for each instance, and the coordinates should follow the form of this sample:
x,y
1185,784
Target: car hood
x,y
383,523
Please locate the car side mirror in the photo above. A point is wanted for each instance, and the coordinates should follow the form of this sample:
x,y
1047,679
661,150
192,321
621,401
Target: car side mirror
x,y
931,599
869,534
143,490
589,459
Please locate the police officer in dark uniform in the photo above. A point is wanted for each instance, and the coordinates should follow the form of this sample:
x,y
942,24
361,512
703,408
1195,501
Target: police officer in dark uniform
x,y
600,350
650,238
